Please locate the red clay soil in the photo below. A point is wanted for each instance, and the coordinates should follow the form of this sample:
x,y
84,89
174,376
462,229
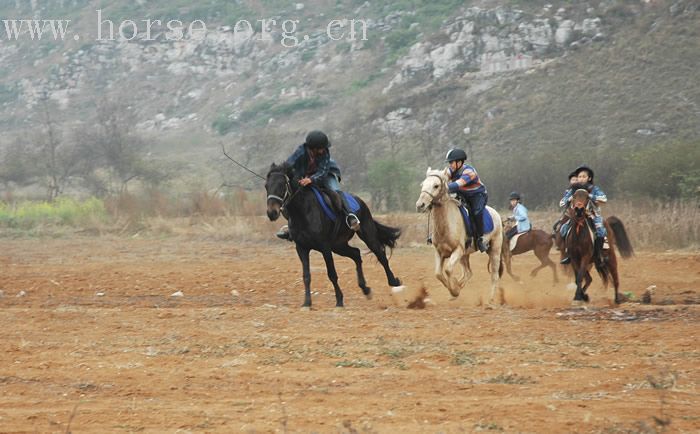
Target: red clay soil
x,y
93,341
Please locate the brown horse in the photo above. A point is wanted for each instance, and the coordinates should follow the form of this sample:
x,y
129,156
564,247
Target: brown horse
x,y
579,244
536,240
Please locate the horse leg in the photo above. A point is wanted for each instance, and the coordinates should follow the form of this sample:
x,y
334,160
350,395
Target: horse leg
x,y
380,252
455,285
304,257
439,269
543,256
612,265
507,259
333,277
588,279
580,274
467,268
354,254
495,259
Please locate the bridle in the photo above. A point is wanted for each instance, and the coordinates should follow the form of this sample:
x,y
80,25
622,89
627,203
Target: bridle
x,y
433,198
288,195
579,204
287,191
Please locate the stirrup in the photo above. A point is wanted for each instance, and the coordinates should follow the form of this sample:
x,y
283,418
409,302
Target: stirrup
x,y
606,245
283,233
355,225
565,261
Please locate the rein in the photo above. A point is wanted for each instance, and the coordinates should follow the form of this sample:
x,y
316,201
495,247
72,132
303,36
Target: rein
x,y
432,202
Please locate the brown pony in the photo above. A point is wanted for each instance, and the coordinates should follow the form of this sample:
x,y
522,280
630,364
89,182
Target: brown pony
x,y
537,240
579,243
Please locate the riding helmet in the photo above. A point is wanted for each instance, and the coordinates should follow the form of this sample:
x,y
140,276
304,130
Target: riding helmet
x,y
455,155
514,195
316,140
582,168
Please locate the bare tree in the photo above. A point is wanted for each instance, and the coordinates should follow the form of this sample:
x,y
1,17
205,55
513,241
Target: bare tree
x,y
119,148
57,161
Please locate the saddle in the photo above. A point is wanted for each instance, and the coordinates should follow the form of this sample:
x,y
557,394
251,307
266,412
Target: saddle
x,y
332,204
514,241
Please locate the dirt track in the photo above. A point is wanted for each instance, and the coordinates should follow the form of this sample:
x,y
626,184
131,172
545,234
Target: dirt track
x,y
98,343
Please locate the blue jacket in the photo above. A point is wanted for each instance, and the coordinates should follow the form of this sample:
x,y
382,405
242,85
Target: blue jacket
x,y
520,216
325,165
596,194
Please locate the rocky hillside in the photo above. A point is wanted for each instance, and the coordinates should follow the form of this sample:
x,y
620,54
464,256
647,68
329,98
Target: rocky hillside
x,y
540,81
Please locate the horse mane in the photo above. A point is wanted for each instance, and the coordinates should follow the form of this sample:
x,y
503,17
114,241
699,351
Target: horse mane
x,y
280,168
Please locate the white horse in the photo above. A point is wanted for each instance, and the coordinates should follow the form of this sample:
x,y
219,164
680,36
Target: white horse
x,y
450,236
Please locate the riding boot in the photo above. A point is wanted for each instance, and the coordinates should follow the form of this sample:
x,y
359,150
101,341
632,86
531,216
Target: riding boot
x,y
350,219
482,244
284,233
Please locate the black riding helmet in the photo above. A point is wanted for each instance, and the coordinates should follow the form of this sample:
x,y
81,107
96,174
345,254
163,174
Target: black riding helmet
x,y
455,155
580,169
514,195
316,140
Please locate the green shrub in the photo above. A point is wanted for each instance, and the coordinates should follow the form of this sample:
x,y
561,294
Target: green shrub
x,y
63,211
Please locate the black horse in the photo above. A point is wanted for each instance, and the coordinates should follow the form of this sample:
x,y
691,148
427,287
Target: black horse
x,y
311,229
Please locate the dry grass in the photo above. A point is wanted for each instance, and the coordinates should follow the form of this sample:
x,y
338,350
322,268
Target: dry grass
x,y
240,216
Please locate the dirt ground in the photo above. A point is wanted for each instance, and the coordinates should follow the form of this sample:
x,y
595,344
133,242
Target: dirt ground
x,y
93,341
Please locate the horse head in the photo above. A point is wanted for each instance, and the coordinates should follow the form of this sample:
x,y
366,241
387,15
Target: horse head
x,y
579,202
279,189
433,189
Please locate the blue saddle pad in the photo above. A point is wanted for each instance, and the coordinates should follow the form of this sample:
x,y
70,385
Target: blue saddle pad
x,y
485,215
352,202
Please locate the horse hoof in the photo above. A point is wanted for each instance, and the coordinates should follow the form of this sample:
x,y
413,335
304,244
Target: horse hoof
x,y
305,308
368,293
578,303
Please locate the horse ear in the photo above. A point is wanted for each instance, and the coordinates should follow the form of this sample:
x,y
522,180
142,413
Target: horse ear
x,y
427,172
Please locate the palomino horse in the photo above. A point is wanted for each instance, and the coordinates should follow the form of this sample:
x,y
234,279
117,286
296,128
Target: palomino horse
x,y
579,244
450,236
536,240
311,229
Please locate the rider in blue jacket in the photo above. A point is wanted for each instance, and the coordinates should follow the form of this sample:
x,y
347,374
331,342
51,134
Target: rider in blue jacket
x,y
519,216
312,164
471,191
597,198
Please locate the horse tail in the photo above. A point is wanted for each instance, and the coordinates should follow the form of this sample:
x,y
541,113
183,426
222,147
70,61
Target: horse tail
x,y
387,235
622,240
603,271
